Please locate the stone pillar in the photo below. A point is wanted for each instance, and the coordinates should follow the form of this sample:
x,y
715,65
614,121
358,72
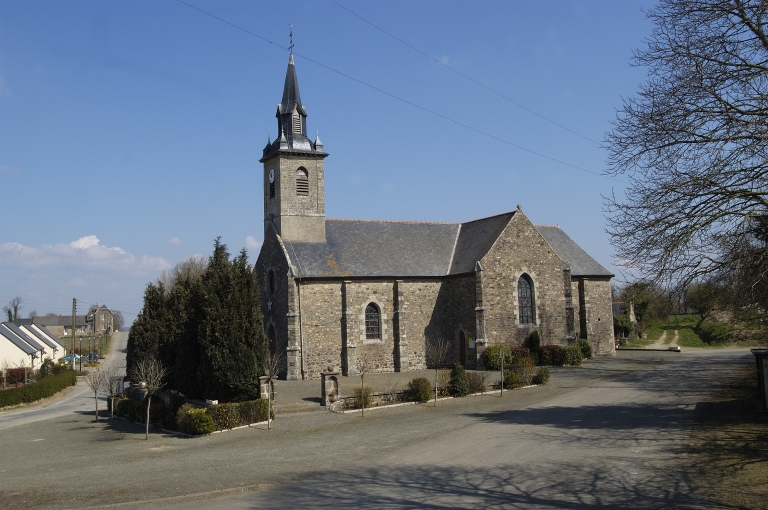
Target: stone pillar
x,y
329,387
264,386
583,308
293,350
400,334
480,341
349,356
570,320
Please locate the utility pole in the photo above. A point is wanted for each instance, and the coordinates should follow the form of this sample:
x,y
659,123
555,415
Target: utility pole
x,y
74,310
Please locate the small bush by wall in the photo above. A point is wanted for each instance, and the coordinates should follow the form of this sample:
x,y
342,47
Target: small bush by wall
x,y
586,348
363,395
458,386
134,409
35,391
512,380
553,355
573,355
225,416
419,390
14,376
493,354
542,376
477,381
199,422
255,411
525,368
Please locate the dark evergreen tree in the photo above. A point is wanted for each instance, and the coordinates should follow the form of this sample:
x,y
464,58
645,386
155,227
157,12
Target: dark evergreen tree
x,y
147,332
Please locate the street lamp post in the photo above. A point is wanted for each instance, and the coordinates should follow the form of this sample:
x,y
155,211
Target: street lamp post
x,y
81,353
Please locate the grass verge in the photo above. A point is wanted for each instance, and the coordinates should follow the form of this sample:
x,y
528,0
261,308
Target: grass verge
x,y
728,445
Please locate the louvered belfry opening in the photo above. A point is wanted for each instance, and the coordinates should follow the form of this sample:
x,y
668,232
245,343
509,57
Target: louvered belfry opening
x,y
297,124
302,182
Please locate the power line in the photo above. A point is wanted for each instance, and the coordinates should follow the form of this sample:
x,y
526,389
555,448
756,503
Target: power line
x,y
465,76
427,110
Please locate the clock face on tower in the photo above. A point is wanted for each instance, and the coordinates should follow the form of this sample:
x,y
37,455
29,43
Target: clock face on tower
x,y
271,175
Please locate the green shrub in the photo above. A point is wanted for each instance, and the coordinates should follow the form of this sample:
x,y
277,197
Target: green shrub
x,y
586,348
542,376
458,386
363,395
199,422
255,411
46,369
225,416
134,409
182,418
420,390
573,355
534,341
512,380
552,355
35,391
14,376
493,353
477,381
171,410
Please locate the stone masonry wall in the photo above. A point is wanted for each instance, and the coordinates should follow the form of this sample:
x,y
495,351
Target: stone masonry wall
x,y
274,307
521,249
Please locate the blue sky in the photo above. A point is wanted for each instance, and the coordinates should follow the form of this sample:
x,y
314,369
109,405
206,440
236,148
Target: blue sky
x,y
130,132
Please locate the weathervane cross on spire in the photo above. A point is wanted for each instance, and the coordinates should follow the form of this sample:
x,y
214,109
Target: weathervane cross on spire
x,y
290,48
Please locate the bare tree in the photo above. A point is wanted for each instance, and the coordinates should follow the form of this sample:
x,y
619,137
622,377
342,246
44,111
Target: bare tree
x,y
95,380
363,367
32,314
271,367
110,385
12,309
117,320
436,353
694,147
191,267
148,372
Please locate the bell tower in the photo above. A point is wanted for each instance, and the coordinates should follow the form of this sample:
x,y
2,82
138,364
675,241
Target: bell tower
x,y
294,175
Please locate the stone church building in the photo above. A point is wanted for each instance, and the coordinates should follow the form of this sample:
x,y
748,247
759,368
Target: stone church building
x,y
337,292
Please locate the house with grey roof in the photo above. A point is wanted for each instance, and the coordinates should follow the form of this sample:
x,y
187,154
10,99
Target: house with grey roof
x,y
16,350
340,294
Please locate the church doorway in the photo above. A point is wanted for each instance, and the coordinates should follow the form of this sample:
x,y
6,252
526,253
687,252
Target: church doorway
x,y
272,340
462,349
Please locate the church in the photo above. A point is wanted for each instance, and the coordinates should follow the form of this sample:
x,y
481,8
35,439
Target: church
x,y
337,293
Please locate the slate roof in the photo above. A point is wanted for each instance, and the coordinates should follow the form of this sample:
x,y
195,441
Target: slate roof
x,y
29,330
54,320
377,248
412,249
15,340
291,94
581,263
30,339
41,329
475,239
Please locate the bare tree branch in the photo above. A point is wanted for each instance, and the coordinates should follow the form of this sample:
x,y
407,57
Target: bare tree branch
x,y
149,373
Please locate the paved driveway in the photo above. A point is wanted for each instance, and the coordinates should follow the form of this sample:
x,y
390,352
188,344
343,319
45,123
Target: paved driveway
x,y
610,433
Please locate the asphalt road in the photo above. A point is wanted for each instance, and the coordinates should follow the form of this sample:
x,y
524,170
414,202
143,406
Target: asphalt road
x,y
610,433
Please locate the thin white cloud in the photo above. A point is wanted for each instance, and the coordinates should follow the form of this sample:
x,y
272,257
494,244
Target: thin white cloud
x,y
84,253
175,241
5,169
252,244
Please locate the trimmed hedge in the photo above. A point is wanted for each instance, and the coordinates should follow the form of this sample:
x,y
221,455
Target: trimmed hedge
x,y
512,380
35,391
512,356
552,355
14,376
363,395
420,390
199,422
225,416
573,355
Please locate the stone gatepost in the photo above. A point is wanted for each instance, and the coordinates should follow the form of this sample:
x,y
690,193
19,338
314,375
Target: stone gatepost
x,y
265,385
329,387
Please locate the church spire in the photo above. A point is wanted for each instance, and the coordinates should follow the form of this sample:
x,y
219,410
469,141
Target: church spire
x,y
291,95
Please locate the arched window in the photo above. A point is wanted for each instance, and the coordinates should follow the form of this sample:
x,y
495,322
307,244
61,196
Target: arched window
x,y
372,322
302,182
525,300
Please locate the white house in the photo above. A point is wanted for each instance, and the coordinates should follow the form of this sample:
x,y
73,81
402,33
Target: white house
x,y
15,352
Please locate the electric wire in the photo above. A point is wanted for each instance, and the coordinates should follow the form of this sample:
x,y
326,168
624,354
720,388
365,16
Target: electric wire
x,y
398,98
465,76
